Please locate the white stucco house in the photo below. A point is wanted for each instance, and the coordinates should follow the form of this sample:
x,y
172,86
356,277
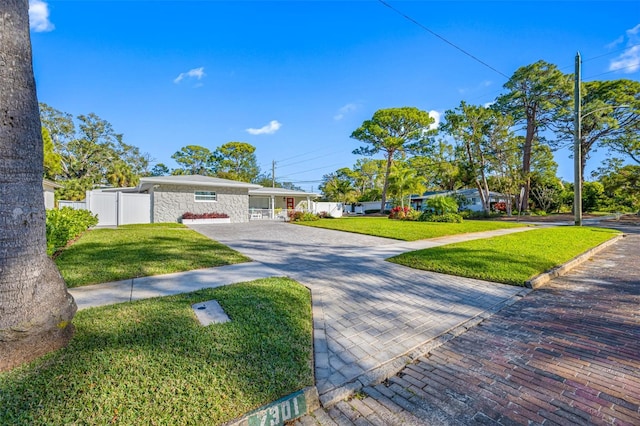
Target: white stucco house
x,y
167,198
48,189
472,198
172,196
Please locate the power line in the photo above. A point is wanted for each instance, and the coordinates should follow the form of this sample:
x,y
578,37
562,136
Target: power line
x,y
612,71
304,161
610,53
311,170
410,19
300,155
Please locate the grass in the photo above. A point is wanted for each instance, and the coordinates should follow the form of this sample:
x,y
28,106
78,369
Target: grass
x,y
131,251
151,362
406,230
510,259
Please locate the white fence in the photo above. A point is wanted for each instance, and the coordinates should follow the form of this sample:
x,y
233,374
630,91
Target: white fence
x,y
333,209
115,208
78,205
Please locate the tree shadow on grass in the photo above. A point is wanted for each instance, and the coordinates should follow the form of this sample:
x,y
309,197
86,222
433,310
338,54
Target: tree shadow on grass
x,y
95,262
151,361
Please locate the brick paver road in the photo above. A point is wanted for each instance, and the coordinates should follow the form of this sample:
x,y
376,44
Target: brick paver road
x,y
566,354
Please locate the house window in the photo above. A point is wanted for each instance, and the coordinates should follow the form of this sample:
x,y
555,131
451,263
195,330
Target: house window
x,y
205,196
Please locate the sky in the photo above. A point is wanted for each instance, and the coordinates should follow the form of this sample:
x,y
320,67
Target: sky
x,y
296,78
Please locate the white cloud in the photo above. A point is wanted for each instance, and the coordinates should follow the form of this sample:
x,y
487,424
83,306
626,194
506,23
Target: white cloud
x,y
615,43
436,117
345,110
196,73
39,16
629,60
269,129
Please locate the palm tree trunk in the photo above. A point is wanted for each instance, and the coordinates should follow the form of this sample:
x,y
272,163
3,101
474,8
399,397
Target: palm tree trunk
x,y
35,307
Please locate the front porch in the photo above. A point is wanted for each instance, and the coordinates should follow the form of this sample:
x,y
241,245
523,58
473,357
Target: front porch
x,y
275,203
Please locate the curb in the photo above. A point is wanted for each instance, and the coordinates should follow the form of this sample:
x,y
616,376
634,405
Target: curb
x,y
284,410
545,277
392,367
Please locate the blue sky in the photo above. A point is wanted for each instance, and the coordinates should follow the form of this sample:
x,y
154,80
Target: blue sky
x,y
295,78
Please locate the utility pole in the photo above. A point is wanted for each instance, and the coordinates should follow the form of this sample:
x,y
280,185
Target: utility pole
x,y
577,149
273,173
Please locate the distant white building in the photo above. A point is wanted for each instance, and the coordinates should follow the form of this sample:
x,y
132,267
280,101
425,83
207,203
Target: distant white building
x,y
48,188
471,197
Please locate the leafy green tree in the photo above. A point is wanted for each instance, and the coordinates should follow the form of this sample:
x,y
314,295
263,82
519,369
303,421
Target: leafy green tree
x,y
621,185
395,132
403,181
440,169
159,170
120,175
90,153
478,130
194,160
338,186
266,181
442,205
35,308
52,160
506,175
236,161
368,175
547,194
610,119
60,125
592,196
537,95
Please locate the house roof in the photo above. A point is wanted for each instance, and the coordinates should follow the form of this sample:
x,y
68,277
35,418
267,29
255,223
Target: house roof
x,y
46,183
469,192
193,180
281,192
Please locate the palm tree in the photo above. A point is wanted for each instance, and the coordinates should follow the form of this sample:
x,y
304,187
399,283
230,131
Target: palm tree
x,y
404,181
35,307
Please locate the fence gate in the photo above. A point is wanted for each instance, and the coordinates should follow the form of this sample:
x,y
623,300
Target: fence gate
x,y
119,208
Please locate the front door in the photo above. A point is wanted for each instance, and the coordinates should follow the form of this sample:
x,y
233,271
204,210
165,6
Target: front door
x,y
290,203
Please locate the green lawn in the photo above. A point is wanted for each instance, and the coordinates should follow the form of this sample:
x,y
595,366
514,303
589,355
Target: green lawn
x,y
131,251
510,259
150,362
406,230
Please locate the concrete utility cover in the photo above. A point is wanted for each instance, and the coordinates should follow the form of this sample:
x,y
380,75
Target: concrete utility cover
x,y
209,312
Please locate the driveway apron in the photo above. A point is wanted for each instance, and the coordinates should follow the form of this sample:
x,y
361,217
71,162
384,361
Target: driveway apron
x,y
370,316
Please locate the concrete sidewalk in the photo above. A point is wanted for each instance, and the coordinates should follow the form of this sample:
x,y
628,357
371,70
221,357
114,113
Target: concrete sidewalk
x,y
166,285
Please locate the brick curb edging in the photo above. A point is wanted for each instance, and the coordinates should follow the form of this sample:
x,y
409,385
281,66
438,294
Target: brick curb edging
x,y
545,277
393,366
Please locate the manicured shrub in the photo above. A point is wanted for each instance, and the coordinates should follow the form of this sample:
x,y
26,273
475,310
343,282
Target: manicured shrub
x,y
446,217
403,213
500,206
210,215
298,216
66,224
440,205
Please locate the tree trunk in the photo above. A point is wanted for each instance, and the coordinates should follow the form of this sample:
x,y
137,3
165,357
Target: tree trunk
x,y
526,159
35,307
385,186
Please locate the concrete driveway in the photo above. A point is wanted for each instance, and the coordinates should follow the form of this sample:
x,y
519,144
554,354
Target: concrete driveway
x,y
370,316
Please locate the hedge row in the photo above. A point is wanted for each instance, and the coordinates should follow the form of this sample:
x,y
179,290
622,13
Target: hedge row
x,y
66,224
